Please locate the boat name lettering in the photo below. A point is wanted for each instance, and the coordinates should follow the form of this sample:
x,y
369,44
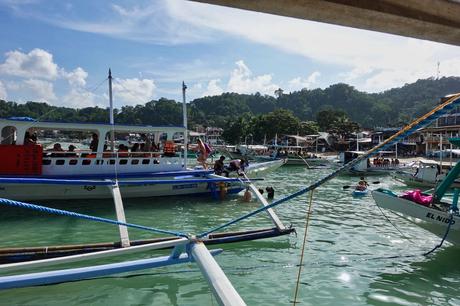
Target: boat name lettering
x,y
184,186
439,218
89,188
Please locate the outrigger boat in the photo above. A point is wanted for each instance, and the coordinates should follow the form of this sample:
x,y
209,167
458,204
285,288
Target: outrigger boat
x,y
427,174
428,211
366,167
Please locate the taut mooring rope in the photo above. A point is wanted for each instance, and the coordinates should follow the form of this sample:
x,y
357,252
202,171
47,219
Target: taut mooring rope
x,y
307,222
87,217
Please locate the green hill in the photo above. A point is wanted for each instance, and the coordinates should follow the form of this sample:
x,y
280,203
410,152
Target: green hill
x,y
390,108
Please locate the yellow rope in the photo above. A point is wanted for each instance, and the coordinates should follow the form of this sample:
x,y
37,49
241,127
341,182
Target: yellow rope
x,y
307,217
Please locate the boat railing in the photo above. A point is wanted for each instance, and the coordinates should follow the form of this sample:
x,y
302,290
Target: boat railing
x,y
86,158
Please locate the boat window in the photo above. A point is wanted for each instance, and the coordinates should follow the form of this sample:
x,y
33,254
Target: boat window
x,y
46,162
86,162
123,161
60,162
8,135
112,162
99,162
73,162
134,162
146,161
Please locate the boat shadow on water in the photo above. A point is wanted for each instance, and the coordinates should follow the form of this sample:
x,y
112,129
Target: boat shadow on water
x,y
432,281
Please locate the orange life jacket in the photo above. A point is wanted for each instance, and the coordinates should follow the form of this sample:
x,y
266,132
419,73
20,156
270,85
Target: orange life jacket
x,y
169,147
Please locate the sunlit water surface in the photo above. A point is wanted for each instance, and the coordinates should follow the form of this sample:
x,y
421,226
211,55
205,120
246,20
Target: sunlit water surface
x,y
353,256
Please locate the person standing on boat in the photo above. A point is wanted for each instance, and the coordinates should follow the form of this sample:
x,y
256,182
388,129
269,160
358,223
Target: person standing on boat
x,y
237,165
94,143
219,167
203,154
147,141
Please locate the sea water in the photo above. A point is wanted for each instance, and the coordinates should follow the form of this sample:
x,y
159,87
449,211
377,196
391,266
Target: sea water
x,y
353,255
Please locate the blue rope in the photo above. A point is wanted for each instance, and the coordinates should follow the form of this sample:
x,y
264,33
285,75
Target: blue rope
x,y
385,145
87,217
444,237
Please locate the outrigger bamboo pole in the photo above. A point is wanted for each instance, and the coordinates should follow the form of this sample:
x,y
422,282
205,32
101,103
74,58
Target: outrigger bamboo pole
x,y
222,288
59,276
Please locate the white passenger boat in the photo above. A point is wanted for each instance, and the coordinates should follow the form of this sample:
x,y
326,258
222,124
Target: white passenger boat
x,y
30,173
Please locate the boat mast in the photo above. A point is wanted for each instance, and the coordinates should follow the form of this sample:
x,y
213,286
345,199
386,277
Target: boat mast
x,y
112,121
184,111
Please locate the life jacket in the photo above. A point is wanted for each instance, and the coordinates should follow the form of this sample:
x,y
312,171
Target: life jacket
x,y
169,147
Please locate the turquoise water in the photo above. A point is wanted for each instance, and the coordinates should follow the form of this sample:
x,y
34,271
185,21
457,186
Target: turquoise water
x,y
354,256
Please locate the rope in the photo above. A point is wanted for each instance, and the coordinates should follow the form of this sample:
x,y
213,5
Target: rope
x,y
307,216
389,221
444,237
87,217
410,128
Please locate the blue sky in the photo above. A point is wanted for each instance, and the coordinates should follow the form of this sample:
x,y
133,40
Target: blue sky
x,y
60,51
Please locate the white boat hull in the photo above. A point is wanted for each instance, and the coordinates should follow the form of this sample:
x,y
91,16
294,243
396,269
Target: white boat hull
x,y
431,219
30,192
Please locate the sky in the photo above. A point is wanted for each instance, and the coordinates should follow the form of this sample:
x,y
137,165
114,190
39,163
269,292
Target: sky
x,y
59,52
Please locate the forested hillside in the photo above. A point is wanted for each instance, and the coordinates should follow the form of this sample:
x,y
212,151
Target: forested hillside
x,y
390,108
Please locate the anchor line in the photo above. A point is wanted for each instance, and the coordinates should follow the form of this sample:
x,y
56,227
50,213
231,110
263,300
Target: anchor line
x,y
444,237
307,223
86,217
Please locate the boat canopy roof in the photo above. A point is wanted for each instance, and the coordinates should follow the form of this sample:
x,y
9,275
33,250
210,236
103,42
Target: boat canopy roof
x,y
428,162
27,123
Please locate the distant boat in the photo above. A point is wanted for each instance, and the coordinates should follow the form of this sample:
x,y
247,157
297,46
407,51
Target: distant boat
x,y
367,167
427,173
428,211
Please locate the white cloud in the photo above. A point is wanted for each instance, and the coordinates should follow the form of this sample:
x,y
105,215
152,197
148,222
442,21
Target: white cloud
x,y
37,64
33,90
80,98
134,91
242,81
372,60
213,88
299,83
77,77
3,94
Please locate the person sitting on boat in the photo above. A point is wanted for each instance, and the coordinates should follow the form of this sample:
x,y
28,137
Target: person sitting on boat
x,y
123,151
94,143
28,139
219,167
136,148
56,149
71,151
362,184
